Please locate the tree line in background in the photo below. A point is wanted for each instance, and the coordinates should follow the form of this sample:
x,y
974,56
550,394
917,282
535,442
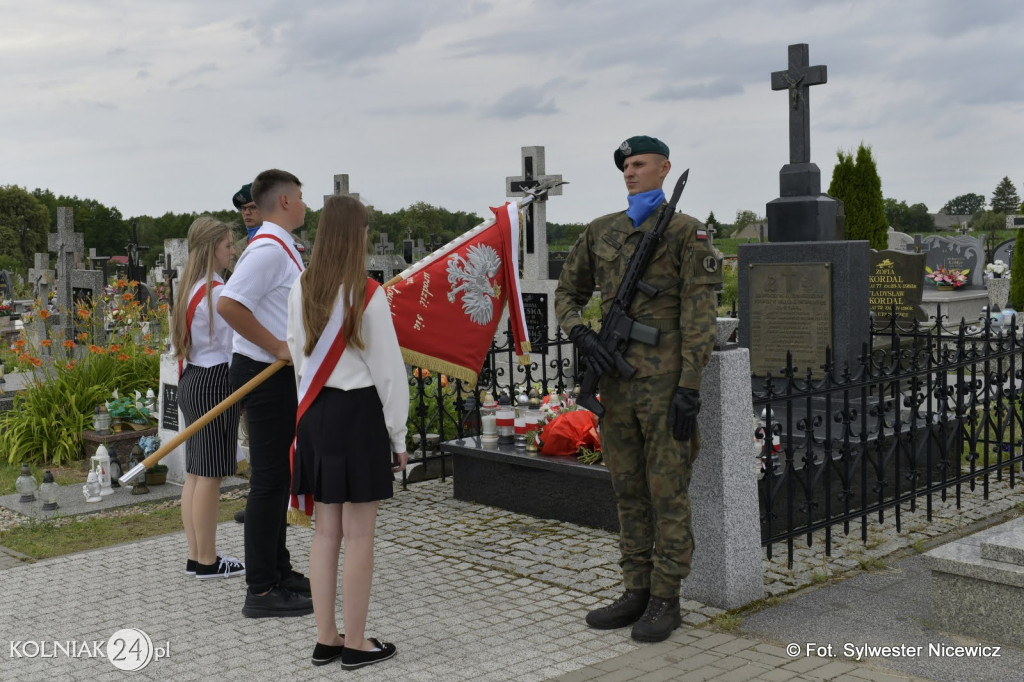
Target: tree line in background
x,y
26,218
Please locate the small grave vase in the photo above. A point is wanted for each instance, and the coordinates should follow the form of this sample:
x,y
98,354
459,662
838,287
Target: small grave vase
x,y
998,291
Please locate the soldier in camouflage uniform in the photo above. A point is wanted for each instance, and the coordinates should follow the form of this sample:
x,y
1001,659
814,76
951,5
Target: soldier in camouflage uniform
x,y
649,430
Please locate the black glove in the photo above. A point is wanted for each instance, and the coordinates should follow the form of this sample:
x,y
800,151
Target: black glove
x,y
682,413
585,339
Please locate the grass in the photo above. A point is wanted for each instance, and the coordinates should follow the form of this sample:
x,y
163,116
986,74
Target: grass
x,y
74,472
56,537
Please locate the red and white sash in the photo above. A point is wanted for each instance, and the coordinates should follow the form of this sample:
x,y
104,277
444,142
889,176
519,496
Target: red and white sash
x,y
319,367
192,305
279,241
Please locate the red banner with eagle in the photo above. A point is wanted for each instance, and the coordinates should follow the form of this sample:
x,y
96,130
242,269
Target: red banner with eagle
x,y
446,307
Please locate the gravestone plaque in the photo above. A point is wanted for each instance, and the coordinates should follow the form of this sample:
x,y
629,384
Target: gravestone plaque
x,y
895,279
169,413
535,309
1004,252
556,259
957,253
790,310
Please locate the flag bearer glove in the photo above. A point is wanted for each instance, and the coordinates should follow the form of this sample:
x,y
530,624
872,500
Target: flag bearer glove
x,y
682,412
586,340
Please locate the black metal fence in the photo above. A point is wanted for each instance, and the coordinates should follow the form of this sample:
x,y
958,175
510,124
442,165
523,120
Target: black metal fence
x,y
928,412
452,410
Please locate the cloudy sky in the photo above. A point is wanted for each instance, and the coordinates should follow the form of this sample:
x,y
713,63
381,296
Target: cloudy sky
x,y
172,105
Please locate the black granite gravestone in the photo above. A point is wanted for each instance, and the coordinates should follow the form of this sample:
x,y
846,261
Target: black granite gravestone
x,y
806,231
895,281
1004,252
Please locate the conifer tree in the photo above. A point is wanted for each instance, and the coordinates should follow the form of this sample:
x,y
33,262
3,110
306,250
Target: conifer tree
x,y
1004,198
855,182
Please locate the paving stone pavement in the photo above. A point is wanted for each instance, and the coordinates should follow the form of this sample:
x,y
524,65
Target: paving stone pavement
x,y
467,592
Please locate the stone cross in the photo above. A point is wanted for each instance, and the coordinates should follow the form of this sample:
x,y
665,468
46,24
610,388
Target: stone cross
x,y
384,245
341,188
797,79
101,261
534,248
41,277
66,243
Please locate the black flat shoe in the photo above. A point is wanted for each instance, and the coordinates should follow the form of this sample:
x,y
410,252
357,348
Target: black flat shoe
x,y
354,658
324,654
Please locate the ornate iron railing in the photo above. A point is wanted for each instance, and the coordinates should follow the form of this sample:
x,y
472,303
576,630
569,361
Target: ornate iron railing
x,y
927,411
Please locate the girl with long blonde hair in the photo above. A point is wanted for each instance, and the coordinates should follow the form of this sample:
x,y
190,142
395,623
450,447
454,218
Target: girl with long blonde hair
x,y
202,345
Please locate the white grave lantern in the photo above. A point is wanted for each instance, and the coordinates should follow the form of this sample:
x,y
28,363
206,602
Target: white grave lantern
x,y
488,421
101,465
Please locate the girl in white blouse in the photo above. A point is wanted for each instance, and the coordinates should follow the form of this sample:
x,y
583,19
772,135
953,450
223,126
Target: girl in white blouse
x,y
350,437
202,344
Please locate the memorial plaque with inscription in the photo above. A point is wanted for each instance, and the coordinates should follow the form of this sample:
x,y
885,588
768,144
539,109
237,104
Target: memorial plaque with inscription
x,y
169,413
535,309
895,279
790,310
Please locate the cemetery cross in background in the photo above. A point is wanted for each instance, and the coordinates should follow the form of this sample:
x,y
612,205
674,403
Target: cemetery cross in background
x,y
66,243
535,242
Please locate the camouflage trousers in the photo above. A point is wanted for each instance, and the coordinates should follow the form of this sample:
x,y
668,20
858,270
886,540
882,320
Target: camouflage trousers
x,y
650,473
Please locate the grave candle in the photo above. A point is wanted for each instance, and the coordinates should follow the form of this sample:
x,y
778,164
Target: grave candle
x,y
519,424
488,421
506,420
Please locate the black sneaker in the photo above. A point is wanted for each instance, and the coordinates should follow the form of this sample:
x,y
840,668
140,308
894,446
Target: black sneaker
x,y
354,658
240,516
624,611
223,567
190,567
296,582
659,620
277,603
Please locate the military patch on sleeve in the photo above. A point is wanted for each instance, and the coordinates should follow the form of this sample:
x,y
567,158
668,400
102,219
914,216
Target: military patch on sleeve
x,y
710,264
702,235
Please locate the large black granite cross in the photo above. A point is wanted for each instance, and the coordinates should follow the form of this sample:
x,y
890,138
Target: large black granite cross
x,y
797,79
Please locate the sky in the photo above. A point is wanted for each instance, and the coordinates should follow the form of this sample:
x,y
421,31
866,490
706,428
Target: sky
x,y
173,105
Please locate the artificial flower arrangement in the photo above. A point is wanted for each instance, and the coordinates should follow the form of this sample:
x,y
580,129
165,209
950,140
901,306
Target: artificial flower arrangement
x,y
953,278
6,309
997,270
130,409
565,430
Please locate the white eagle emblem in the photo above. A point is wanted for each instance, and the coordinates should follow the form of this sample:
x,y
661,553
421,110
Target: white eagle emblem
x,y
473,277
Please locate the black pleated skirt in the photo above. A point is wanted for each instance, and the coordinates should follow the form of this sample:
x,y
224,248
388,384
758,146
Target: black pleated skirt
x,y
213,451
343,452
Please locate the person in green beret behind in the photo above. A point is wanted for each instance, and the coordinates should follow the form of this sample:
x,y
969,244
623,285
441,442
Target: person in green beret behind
x,y
649,433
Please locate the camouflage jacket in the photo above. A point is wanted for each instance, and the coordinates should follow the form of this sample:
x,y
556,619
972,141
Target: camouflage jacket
x,y
684,269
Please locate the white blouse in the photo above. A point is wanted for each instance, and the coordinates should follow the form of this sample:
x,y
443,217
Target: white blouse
x,y
380,364
209,350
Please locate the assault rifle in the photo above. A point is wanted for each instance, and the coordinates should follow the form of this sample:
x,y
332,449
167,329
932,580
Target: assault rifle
x,y
618,328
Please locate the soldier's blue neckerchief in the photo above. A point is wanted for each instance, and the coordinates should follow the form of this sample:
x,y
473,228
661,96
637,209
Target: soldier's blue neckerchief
x,y
642,205
252,231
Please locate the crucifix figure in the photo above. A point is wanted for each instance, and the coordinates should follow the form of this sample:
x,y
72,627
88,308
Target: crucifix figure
x,y
535,241
797,79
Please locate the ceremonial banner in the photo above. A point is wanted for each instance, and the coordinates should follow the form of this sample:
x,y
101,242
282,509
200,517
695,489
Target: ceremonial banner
x,y
446,307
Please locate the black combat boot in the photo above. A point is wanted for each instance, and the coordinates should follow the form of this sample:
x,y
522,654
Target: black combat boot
x,y
622,612
658,621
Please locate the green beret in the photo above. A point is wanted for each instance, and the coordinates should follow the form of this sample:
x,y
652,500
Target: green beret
x,y
242,196
639,144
